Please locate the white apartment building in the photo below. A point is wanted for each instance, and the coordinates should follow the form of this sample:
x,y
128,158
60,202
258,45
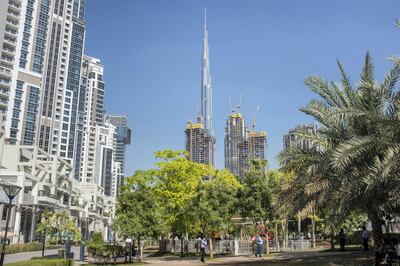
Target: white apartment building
x,y
60,148
47,184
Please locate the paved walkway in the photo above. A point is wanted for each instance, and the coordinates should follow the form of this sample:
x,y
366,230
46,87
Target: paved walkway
x,y
28,255
239,260
243,260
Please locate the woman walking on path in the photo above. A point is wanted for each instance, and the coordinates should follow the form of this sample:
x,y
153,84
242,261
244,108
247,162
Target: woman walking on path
x,y
260,245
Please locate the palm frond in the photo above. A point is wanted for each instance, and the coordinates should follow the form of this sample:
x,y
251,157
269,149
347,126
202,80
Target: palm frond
x,y
349,151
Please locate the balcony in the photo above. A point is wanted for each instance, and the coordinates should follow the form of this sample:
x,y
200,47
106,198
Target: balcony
x,y
12,24
10,32
13,15
6,60
4,72
3,104
48,199
8,51
4,93
14,6
9,41
4,83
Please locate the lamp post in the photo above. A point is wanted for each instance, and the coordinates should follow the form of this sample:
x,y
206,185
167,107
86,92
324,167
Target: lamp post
x,y
11,191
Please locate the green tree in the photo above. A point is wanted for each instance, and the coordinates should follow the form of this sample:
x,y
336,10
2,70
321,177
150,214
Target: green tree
x,y
214,204
178,179
255,197
59,225
355,162
138,211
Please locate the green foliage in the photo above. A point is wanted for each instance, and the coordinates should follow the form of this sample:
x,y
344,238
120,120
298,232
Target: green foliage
x,y
255,196
137,210
214,203
354,164
100,250
27,247
176,188
58,225
43,262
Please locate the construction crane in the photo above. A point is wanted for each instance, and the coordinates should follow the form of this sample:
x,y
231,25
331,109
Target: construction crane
x,y
253,117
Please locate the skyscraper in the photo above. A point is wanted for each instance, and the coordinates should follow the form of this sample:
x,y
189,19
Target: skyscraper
x,y
242,145
206,89
292,138
122,138
200,141
62,103
199,144
23,35
235,134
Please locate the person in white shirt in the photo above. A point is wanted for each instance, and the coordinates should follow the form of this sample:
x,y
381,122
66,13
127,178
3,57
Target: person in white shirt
x,y
203,245
260,245
365,238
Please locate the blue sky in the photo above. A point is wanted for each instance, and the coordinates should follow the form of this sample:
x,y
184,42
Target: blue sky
x,y
261,50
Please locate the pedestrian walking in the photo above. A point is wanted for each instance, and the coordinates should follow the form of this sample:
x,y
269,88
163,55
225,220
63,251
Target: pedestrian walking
x,y
365,238
203,245
342,238
260,245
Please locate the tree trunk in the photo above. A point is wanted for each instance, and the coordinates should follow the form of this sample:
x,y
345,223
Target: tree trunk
x,y
139,250
332,238
44,244
211,249
313,231
377,223
287,233
181,246
267,242
278,248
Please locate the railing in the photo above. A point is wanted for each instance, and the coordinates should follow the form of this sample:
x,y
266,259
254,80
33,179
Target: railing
x,y
233,247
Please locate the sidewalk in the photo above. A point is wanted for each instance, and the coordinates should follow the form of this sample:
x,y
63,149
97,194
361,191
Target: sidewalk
x,y
28,255
247,260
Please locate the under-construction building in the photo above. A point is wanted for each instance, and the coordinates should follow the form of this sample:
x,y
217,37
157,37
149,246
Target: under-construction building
x,y
242,145
200,144
292,138
235,135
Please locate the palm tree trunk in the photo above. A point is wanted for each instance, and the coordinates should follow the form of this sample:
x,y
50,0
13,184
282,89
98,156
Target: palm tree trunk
x,y
139,250
313,231
332,237
211,249
278,248
377,223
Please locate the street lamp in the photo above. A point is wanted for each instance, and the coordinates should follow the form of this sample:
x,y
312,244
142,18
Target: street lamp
x,y
11,191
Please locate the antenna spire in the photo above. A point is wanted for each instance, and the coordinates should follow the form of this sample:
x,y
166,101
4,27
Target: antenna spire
x,y
205,17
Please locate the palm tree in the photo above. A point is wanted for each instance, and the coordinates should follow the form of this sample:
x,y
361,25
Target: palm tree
x,y
356,160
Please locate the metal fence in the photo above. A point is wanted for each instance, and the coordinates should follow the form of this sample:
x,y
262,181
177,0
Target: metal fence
x,y
233,247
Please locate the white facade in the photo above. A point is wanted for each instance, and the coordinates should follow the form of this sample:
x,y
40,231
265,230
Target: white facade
x,y
47,184
59,147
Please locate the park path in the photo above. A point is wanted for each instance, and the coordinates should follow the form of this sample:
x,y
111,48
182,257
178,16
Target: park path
x,y
28,255
249,260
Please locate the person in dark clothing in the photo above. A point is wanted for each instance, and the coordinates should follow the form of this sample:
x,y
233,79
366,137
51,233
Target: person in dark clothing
x,y
342,239
365,238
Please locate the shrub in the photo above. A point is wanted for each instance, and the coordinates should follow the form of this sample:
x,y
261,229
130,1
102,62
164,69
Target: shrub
x,y
100,251
43,262
26,247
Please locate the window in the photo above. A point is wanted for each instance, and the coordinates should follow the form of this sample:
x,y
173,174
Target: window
x,y
5,210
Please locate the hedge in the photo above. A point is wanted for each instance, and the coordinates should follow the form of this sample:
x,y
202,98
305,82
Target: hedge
x,y
44,262
26,247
